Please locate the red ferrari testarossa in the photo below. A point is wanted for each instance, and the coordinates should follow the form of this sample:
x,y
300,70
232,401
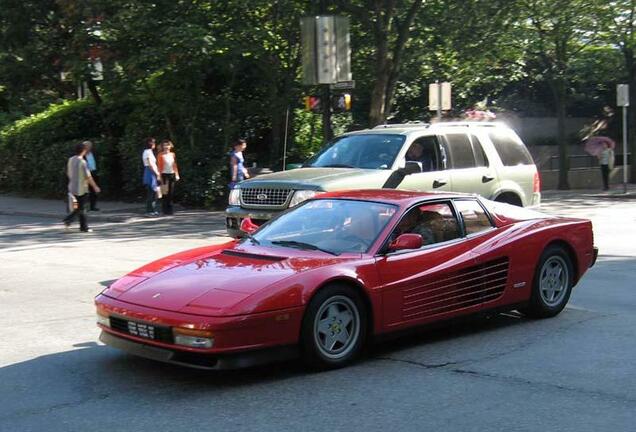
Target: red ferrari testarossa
x,y
325,276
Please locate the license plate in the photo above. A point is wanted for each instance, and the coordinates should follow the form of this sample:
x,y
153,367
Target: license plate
x,y
142,330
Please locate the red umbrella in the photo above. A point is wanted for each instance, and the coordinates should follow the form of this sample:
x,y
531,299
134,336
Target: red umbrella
x,y
596,144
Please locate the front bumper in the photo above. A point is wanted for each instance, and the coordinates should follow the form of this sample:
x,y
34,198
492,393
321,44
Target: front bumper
x,y
200,360
234,215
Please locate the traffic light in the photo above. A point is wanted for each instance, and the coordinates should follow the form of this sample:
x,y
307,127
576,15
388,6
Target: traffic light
x,y
312,103
341,102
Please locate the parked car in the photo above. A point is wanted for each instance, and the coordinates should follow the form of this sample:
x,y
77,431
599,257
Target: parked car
x,y
475,157
322,278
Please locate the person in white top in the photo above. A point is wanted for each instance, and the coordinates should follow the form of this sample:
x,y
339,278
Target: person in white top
x,y
169,175
605,158
151,177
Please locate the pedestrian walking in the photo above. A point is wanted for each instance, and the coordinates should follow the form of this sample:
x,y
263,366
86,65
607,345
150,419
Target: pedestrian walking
x,y
151,177
606,161
238,171
79,179
167,163
92,167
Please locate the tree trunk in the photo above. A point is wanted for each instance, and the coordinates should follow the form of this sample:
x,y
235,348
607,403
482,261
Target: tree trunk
x,y
377,112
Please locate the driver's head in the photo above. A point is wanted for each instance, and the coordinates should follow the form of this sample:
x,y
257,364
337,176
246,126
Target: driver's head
x,y
414,152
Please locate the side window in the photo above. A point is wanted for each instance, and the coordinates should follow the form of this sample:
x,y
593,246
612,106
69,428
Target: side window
x,y
436,223
473,215
461,150
426,152
480,156
510,148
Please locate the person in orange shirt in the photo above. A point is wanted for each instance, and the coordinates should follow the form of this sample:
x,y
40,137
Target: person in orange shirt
x,y
167,164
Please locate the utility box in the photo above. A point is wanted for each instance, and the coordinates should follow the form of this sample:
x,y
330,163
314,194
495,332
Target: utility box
x,y
326,50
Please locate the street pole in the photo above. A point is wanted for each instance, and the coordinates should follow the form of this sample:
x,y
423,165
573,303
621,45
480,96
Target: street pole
x,y
285,142
625,149
439,101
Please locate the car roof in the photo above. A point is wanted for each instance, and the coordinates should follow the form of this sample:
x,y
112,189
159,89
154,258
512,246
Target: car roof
x,y
406,128
401,198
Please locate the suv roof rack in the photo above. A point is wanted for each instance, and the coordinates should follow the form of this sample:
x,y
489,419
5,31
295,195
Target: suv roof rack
x,y
469,123
412,124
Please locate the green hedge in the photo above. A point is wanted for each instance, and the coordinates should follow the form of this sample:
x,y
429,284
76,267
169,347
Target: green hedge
x,y
34,151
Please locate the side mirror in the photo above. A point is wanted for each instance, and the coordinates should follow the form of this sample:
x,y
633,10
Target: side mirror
x,y
248,226
412,167
406,241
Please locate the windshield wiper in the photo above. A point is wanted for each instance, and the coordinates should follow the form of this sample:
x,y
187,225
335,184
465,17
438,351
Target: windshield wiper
x,y
303,245
251,238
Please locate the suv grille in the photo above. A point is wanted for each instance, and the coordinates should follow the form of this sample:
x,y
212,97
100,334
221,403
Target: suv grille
x,y
263,197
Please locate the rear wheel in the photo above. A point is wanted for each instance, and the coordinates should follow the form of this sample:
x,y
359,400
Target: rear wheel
x,y
552,285
509,198
334,327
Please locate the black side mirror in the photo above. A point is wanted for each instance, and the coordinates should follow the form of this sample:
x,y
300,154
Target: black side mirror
x,y
398,175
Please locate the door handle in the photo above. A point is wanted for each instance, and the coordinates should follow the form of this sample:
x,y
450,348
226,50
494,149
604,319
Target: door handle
x,y
439,183
487,178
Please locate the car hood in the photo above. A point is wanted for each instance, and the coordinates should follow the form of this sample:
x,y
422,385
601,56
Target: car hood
x,y
218,283
325,179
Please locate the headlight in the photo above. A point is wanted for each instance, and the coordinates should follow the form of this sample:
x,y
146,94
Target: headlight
x,y
234,198
102,316
193,338
300,196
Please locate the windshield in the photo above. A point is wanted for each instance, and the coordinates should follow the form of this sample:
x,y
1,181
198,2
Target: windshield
x,y
329,225
374,151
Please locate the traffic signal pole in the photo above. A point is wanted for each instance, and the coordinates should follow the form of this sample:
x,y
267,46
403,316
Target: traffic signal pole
x,y
326,113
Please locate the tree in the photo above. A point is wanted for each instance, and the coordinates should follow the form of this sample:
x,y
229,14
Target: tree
x,y
555,31
620,26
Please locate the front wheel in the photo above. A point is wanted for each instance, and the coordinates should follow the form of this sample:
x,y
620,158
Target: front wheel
x,y
552,285
334,327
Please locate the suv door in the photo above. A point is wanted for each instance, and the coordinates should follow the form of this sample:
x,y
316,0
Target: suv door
x,y
471,171
433,161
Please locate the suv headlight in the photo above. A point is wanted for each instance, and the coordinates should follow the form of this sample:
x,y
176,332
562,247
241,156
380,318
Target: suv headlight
x,y
234,198
300,196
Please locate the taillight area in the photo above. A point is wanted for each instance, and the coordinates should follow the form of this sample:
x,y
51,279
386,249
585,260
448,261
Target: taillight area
x,y
536,183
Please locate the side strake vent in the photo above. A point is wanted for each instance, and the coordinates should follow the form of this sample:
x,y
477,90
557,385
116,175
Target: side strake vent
x,y
458,290
252,256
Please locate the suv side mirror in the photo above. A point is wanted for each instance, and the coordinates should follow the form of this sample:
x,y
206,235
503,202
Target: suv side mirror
x,y
412,167
406,241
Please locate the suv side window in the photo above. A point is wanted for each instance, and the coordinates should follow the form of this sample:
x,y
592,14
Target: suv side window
x,y
478,150
473,215
510,148
427,152
461,150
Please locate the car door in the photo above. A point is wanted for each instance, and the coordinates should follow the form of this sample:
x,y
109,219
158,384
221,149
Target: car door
x,y
433,282
471,171
434,177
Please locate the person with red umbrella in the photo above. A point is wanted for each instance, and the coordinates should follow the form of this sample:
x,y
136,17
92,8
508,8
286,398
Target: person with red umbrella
x,y
603,148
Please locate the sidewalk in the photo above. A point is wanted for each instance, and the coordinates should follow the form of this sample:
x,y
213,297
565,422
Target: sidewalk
x,y
116,211
110,211
615,192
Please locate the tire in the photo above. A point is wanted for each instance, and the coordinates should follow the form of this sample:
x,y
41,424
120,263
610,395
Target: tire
x,y
552,284
334,327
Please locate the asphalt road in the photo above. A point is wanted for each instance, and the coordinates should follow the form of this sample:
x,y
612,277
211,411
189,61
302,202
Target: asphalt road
x,y
575,372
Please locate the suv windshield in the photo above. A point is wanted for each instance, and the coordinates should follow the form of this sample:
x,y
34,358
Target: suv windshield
x,y
333,226
371,151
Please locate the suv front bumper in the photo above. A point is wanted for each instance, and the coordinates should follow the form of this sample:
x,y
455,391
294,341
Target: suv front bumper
x,y
234,215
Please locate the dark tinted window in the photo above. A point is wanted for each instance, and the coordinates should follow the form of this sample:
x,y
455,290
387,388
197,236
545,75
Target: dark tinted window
x,y
473,215
480,155
461,150
510,148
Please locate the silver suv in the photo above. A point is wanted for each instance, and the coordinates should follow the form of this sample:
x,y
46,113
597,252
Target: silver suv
x,y
488,159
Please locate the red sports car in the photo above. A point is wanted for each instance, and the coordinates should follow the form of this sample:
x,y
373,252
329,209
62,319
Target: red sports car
x,y
322,278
